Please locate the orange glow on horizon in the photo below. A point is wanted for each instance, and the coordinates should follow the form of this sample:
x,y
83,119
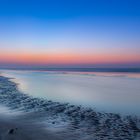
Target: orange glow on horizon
x,y
67,58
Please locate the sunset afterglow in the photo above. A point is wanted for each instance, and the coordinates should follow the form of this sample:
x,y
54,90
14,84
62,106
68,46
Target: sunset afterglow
x,y
83,32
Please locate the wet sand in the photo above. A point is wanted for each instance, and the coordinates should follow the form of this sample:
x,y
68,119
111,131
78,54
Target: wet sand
x,y
15,129
39,119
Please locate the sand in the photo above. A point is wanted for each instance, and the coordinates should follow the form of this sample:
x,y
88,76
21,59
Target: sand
x,y
19,128
28,118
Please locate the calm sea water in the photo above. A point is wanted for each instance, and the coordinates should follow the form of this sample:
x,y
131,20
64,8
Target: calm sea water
x,y
117,92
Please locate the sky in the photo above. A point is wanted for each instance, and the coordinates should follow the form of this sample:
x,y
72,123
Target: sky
x,y
70,33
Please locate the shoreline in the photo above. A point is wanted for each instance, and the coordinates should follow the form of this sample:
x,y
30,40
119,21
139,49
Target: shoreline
x,y
65,120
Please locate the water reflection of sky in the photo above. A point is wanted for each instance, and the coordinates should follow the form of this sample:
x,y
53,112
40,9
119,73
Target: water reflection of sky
x,y
112,92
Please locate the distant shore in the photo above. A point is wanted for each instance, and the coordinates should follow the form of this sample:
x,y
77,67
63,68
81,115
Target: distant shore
x,y
41,119
74,69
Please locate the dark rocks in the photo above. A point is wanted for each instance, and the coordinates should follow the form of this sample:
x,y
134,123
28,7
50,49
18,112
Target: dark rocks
x,y
12,131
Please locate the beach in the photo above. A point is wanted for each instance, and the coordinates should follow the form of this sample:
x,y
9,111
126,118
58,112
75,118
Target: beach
x,y
18,125
17,128
69,69
38,118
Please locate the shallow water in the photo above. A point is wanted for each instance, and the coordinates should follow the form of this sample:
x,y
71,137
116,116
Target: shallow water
x,y
39,116
109,92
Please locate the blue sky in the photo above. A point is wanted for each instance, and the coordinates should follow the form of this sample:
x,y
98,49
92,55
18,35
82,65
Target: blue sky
x,y
82,27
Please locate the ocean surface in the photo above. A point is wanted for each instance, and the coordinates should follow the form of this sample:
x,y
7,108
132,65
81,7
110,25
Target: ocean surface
x,y
113,92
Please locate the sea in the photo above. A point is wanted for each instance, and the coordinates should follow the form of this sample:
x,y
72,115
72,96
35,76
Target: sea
x,y
112,90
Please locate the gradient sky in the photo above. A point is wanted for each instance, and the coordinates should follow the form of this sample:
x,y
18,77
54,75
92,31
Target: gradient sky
x,y
88,33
